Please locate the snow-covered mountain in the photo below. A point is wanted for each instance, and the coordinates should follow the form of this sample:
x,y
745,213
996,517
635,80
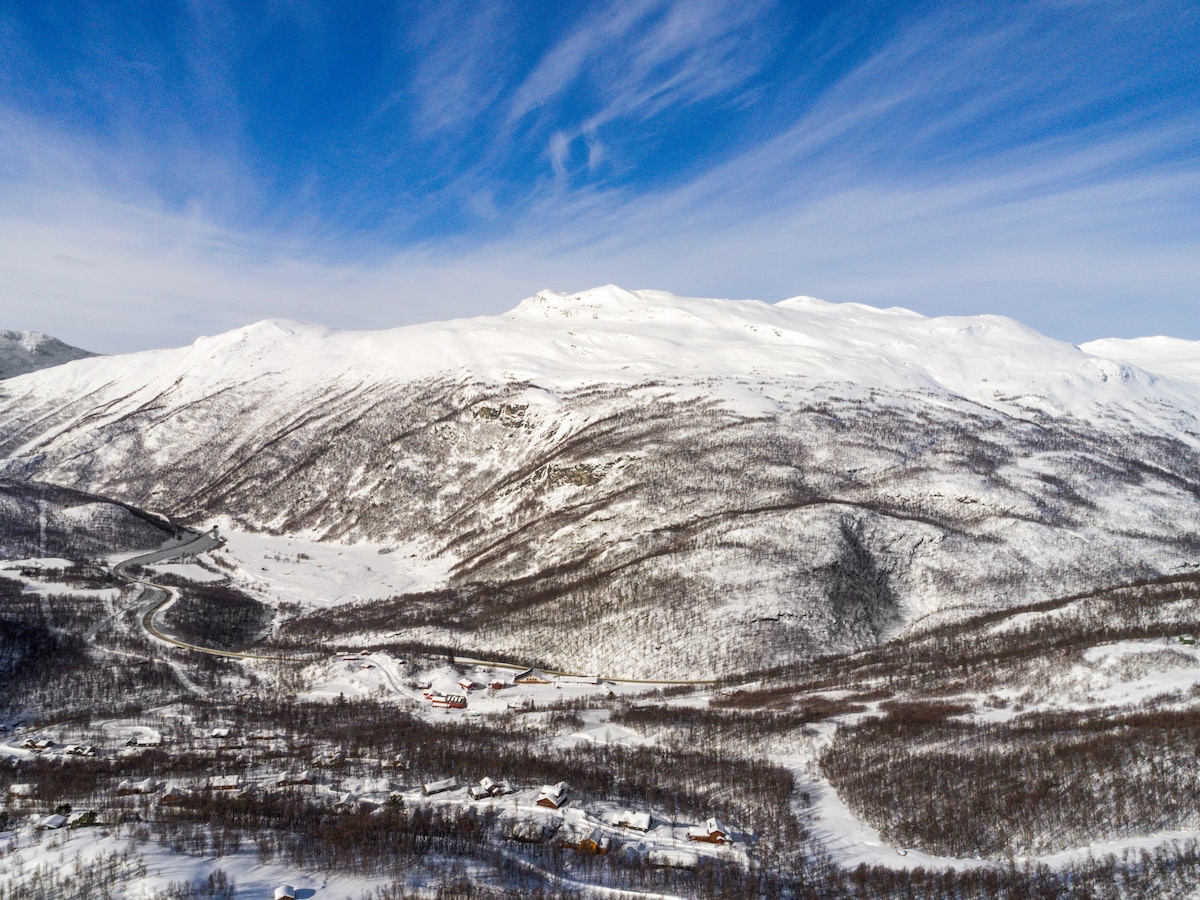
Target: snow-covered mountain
x,y
634,481
29,351
38,521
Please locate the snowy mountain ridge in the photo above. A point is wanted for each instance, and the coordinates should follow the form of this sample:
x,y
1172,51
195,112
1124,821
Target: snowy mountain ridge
x,y
609,335
598,474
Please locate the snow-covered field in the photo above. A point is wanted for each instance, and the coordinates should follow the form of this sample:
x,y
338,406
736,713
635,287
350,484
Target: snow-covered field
x,y
314,573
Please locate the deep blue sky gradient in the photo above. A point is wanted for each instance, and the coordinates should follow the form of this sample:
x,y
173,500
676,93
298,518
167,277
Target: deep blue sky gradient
x,y
172,169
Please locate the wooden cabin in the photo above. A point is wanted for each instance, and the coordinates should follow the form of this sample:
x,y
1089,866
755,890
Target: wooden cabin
x,y
711,832
554,796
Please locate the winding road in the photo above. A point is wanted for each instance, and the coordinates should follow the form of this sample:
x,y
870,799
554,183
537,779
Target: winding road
x,y
161,595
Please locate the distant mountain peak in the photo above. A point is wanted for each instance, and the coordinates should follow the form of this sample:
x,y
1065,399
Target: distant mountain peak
x,y
22,352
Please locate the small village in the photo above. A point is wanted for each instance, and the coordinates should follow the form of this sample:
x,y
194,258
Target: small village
x,y
149,774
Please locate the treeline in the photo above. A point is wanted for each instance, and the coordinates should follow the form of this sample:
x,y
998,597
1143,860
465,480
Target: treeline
x,y
311,835
289,828
81,575
1039,783
366,740
691,783
50,673
983,653
1168,870
44,520
216,615
102,877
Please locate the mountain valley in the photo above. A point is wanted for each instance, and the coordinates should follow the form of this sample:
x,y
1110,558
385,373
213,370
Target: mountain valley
x,y
834,601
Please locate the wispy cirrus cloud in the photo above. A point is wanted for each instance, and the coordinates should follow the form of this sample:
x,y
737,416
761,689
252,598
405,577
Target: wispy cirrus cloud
x,y
557,69
1039,161
637,61
462,64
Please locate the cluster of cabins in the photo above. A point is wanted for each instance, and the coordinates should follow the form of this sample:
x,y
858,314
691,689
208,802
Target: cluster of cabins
x,y
551,796
55,821
584,837
481,791
593,841
573,831
40,745
175,794
466,686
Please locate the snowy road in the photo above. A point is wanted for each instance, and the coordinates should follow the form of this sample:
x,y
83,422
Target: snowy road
x,y
653,682
162,595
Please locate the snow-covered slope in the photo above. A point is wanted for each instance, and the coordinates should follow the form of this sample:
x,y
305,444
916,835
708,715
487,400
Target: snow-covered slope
x,y
606,475
39,521
1178,359
29,351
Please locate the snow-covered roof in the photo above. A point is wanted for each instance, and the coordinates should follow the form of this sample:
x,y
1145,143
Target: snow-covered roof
x,y
554,794
145,786
630,819
711,830
437,787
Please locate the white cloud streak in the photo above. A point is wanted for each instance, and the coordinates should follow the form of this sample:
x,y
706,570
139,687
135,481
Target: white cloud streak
x,y
460,75
640,59
1083,234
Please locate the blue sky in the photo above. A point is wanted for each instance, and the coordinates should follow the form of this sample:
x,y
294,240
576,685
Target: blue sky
x,y
170,170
